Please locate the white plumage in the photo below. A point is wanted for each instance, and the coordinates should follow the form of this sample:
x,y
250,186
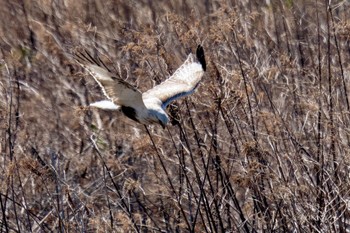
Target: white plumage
x,y
148,107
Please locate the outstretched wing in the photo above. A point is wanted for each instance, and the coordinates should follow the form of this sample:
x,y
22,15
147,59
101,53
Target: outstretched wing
x,y
183,82
115,89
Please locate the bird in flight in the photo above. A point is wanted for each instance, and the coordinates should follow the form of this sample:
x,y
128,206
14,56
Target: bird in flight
x,y
148,107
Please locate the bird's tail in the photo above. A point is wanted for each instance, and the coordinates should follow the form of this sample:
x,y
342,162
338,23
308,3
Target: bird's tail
x,y
105,104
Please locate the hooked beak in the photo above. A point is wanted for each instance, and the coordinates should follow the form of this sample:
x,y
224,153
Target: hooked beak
x,y
161,123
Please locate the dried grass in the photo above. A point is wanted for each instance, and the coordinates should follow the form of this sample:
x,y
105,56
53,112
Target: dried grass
x,y
262,146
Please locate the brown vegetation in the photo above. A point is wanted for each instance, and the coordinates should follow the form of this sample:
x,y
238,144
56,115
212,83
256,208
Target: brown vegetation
x,y
263,145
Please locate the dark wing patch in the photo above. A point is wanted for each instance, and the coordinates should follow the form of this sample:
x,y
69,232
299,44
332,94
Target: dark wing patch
x,y
129,112
201,57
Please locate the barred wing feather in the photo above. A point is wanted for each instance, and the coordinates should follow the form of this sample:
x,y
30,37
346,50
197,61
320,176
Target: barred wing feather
x,y
183,82
115,89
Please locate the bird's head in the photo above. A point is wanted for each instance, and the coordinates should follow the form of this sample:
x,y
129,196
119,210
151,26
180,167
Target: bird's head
x,y
155,112
159,116
163,119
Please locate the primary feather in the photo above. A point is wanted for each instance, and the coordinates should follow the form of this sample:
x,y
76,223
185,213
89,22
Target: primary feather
x,y
115,89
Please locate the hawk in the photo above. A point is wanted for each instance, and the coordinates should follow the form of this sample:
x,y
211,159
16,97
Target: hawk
x,y
148,107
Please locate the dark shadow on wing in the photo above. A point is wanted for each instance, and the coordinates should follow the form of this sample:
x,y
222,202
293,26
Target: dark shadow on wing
x,y
179,95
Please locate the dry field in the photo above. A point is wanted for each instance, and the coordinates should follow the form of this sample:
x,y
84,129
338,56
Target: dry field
x,y
262,146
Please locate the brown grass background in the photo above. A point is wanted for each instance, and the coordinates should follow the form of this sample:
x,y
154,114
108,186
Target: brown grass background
x,y
262,146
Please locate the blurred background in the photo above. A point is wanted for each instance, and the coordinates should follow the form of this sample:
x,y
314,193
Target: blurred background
x,y
261,146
